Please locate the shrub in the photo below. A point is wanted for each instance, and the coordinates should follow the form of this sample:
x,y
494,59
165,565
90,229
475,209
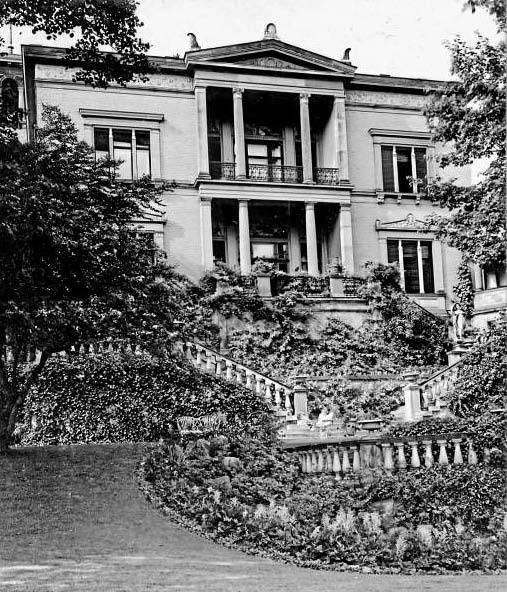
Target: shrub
x,y
481,381
126,397
445,518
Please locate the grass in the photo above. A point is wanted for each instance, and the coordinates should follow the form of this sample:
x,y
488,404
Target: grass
x,y
73,519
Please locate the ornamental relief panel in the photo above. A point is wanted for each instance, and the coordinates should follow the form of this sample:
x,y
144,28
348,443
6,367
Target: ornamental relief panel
x,y
384,98
60,73
270,62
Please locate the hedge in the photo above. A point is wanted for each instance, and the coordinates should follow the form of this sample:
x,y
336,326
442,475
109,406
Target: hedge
x,y
126,397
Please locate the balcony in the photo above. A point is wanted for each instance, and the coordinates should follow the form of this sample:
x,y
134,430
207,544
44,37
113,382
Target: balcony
x,y
274,173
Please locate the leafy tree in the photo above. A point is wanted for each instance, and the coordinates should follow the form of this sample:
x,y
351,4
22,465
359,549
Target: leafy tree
x,y
469,116
71,269
98,25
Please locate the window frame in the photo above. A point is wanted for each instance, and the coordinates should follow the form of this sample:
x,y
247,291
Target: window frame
x,y
401,139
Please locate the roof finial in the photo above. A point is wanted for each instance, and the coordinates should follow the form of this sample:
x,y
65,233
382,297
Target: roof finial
x,y
193,41
10,47
270,31
346,55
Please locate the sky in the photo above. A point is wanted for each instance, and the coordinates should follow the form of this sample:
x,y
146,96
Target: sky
x,y
397,37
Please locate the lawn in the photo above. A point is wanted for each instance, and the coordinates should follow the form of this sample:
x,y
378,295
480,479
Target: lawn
x,y
72,519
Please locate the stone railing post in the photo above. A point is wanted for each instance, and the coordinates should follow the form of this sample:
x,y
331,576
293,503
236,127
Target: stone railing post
x,y
412,396
301,399
264,285
388,456
402,461
345,460
442,455
336,464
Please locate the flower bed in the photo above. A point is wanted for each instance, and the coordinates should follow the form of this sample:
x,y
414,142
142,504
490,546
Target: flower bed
x,y
252,496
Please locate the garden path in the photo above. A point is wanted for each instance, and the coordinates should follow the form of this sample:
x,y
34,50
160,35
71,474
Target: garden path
x,y
72,518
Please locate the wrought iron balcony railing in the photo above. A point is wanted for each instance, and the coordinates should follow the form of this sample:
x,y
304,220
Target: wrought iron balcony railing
x,y
326,176
275,173
222,170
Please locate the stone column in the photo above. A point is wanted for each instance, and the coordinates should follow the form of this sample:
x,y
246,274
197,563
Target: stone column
x,y
294,249
347,249
341,138
245,263
311,239
206,234
438,266
420,268
239,133
202,133
306,139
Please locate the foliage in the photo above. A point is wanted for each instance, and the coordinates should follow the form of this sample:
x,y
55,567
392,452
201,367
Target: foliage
x,y
348,401
469,116
266,506
97,24
132,397
481,381
71,269
463,291
401,332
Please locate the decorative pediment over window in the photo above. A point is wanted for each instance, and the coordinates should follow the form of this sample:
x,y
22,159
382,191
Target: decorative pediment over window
x,y
270,54
409,223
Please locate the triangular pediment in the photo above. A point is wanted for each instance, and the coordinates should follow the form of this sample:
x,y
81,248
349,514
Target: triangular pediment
x,y
408,223
269,54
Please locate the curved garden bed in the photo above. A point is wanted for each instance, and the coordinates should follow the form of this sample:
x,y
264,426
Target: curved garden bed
x,y
252,496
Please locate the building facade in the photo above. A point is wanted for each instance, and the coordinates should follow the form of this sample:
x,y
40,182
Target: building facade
x,y
273,152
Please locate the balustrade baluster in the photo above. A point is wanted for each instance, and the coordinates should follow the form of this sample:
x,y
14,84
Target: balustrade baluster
x,y
218,367
239,375
278,398
198,358
315,462
428,454
309,462
458,456
288,405
442,455
472,455
302,461
337,467
356,460
320,461
249,380
329,461
402,461
414,456
388,456
209,361
345,461
258,384
267,391
188,352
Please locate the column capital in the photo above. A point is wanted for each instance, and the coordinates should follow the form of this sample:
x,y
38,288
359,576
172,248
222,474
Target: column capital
x,y
310,203
237,91
304,97
339,98
243,200
200,88
205,199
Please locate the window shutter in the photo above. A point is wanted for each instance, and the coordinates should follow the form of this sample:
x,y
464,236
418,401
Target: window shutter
x,y
387,168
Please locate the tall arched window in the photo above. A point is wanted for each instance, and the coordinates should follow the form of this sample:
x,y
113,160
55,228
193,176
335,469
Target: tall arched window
x,y
10,100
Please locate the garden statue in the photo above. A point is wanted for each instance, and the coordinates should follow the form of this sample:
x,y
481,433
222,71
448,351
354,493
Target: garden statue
x,y
193,41
458,321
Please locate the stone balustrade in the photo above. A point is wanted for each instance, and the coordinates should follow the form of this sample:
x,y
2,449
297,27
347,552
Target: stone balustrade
x,y
427,397
278,395
353,455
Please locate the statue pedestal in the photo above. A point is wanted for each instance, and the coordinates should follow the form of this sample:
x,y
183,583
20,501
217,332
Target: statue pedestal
x,y
456,353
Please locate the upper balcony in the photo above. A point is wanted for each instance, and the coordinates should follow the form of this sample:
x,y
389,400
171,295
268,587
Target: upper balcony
x,y
272,137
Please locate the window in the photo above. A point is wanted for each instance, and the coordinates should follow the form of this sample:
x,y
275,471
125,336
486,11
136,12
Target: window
x,y
262,158
276,252
399,165
219,250
414,258
132,147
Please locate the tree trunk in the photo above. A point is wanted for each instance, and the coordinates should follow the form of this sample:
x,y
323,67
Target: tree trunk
x,y
5,436
8,415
